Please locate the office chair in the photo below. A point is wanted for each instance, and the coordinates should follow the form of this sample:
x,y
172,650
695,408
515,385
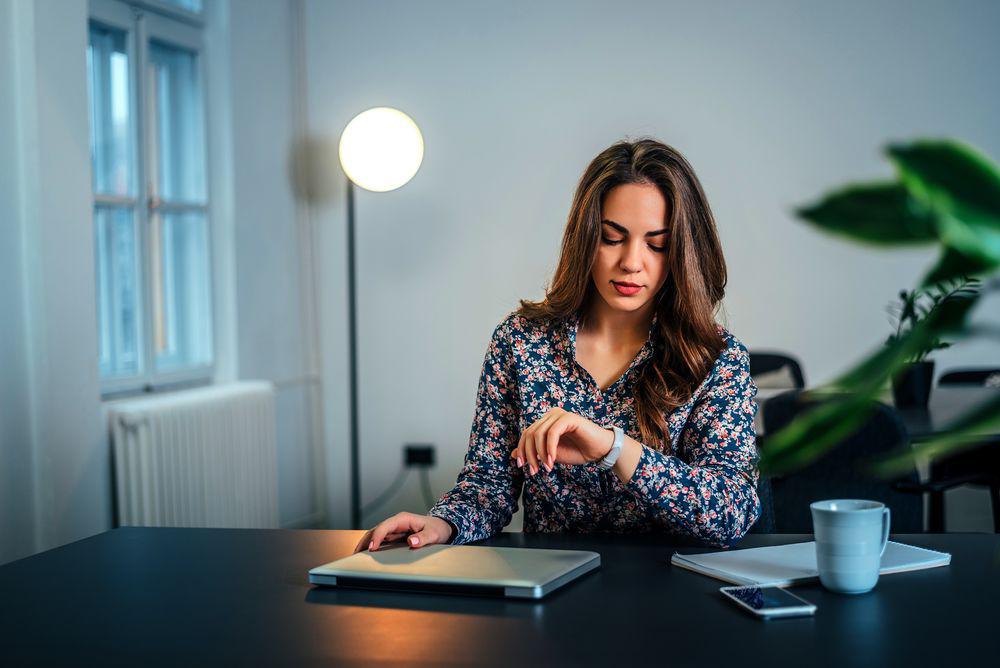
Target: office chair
x,y
837,474
772,371
978,465
763,365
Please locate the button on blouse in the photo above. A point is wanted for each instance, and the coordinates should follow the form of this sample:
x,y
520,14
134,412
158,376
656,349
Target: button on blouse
x,y
702,485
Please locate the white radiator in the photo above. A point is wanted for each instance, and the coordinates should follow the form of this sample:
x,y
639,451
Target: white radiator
x,y
197,458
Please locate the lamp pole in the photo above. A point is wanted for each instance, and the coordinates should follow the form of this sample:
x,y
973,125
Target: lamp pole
x,y
380,150
352,320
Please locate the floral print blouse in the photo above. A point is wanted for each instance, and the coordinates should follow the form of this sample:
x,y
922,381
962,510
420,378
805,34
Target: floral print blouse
x,y
705,486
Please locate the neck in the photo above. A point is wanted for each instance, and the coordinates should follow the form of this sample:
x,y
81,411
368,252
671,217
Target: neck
x,y
610,324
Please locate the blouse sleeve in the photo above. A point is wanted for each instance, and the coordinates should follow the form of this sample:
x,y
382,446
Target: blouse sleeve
x,y
711,493
485,494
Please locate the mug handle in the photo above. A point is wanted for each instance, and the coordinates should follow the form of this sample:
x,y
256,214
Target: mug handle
x,y
885,529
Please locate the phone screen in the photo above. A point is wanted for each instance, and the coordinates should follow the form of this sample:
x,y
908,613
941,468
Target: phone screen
x,y
766,598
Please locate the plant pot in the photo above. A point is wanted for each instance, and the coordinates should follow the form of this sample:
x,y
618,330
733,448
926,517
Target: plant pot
x,y
911,385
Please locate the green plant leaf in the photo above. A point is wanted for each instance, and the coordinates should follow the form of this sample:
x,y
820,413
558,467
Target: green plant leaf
x,y
868,376
965,431
878,213
954,264
950,174
845,402
961,187
947,192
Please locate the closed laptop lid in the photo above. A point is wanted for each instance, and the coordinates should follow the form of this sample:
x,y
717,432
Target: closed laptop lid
x,y
518,572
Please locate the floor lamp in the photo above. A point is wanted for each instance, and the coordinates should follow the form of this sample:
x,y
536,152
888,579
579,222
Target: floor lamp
x,y
380,150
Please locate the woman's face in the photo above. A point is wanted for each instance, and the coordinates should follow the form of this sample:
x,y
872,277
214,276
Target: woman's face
x,y
633,246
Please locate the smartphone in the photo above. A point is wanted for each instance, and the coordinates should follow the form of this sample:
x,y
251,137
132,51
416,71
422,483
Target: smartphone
x,y
769,601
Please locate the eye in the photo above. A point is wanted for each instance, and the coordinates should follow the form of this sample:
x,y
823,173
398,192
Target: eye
x,y
615,242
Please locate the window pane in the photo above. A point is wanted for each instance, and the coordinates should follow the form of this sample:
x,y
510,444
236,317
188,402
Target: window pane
x,y
182,309
175,86
117,290
110,111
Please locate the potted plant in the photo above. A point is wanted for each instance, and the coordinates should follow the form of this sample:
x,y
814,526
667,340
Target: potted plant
x,y
912,382
945,194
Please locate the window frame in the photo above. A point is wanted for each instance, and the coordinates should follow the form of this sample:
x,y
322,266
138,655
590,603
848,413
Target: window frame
x,y
143,21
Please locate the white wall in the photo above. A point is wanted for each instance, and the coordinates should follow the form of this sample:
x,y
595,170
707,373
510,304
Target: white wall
x,y
17,533
60,456
773,103
271,246
54,450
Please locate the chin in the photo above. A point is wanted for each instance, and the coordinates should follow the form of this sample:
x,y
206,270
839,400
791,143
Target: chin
x,y
621,303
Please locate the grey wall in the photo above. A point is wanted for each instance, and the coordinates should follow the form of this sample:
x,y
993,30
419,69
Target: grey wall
x,y
772,102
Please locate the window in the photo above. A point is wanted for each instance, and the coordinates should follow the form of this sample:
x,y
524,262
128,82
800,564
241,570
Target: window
x,y
151,205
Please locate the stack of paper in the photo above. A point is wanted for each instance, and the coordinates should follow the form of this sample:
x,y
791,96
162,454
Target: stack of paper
x,y
784,565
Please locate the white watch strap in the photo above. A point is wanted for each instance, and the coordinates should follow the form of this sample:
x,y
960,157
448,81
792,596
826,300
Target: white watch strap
x,y
616,448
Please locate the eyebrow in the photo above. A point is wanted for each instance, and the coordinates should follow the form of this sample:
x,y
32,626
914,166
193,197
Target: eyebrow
x,y
625,231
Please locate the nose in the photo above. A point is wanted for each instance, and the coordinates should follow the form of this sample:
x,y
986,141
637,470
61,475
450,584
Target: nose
x,y
631,258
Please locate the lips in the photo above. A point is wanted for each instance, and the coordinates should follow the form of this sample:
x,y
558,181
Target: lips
x,y
626,289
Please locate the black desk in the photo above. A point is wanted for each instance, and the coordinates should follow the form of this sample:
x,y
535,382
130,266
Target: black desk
x,y
227,596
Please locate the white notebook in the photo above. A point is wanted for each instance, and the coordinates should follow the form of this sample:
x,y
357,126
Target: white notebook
x,y
784,565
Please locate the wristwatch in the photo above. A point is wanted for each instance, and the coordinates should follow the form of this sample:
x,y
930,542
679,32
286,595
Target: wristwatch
x,y
616,448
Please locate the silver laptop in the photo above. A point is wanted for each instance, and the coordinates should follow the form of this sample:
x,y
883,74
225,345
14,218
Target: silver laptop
x,y
459,569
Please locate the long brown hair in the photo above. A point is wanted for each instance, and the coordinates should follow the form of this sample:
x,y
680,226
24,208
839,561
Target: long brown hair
x,y
686,303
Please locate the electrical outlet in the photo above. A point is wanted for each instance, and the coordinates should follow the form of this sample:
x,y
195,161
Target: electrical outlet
x,y
418,455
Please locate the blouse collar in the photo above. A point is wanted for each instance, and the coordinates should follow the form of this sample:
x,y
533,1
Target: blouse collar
x,y
572,323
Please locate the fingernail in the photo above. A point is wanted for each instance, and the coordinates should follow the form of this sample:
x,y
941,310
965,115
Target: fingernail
x,y
520,461
371,545
414,540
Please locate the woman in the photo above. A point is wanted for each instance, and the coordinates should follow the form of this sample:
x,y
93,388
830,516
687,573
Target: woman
x,y
624,341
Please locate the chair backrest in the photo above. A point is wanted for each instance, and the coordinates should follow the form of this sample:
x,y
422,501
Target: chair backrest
x,y
838,474
982,377
764,366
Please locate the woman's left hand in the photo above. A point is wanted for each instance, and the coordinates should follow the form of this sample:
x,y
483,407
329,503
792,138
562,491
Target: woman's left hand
x,y
561,436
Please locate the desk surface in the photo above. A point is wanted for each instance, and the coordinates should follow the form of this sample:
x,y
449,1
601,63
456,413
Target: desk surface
x,y
137,596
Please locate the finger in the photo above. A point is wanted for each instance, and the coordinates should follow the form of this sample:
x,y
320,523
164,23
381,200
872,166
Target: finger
x,y
429,535
363,542
366,539
538,442
552,440
396,523
538,445
518,453
528,451
537,436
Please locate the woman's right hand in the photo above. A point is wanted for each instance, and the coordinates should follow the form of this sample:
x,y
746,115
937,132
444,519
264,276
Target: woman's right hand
x,y
421,529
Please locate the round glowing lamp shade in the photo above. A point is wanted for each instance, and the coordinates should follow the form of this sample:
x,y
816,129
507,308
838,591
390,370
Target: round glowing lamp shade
x,y
381,149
